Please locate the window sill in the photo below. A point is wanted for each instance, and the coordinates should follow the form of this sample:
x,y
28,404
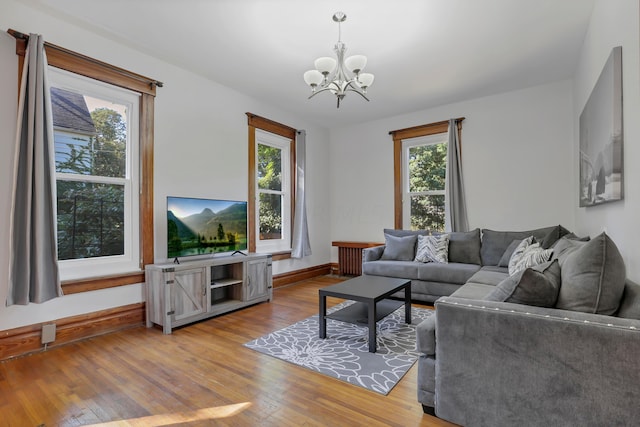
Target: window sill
x,y
96,283
278,256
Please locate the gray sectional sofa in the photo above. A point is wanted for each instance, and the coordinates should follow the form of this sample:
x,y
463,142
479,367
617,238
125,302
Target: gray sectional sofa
x,y
468,254
554,344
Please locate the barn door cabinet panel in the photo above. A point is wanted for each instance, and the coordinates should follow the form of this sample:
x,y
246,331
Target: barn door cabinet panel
x,y
259,283
178,294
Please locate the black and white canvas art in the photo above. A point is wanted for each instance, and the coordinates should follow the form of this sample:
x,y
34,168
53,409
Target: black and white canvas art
x,y
601,137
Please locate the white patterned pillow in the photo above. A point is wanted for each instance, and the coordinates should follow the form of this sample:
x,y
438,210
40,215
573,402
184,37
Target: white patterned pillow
x,y
517,253
433,249
532,256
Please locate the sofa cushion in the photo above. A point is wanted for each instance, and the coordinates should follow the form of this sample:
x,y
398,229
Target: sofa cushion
x,y
472,290
457,273
537,286
426,336
433,249
390,268
630,302
489,277
464,247
494,243
531,257
593,277
399,248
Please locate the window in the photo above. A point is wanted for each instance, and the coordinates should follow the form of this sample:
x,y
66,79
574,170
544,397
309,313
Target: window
x,y
96,158
420,168
100,169
271,184
273,188
423,179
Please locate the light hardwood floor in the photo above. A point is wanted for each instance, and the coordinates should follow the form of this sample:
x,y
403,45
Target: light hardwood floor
x,y
201,375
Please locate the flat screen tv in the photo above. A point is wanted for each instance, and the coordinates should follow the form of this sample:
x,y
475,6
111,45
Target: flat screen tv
x,y
205,226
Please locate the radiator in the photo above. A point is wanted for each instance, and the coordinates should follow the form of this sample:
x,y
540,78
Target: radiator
x,y
350,260
350,257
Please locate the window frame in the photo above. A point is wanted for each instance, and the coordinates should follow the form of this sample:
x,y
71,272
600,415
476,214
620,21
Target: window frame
x,y
256,122
79,268
407,194
284,243
77,63
413,132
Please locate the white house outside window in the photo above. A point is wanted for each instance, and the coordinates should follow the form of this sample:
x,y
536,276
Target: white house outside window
x,y
97,175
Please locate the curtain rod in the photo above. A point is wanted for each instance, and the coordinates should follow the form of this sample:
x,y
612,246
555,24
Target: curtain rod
x,y
23,36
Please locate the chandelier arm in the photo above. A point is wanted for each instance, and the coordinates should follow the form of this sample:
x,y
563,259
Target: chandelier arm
x,y
358,92
324,89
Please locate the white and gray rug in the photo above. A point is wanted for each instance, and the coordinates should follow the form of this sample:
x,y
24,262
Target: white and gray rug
x,y
344,353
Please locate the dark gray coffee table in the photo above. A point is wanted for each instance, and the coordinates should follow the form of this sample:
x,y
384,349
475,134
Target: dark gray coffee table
x,y
370,294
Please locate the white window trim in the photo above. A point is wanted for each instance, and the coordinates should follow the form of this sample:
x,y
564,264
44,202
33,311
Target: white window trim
x,y
284,144
130,260
437,138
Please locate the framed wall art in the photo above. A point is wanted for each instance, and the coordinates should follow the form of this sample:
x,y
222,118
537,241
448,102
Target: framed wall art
x,y
601,137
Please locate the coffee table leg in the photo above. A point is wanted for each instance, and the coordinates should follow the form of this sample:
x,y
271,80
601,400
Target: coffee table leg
x,y
323,315
407,304
372,327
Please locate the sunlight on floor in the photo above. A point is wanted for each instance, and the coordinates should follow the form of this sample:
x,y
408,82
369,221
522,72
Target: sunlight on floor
x,y
181,417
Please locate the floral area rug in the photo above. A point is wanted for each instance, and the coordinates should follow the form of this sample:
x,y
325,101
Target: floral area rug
x,y
344,353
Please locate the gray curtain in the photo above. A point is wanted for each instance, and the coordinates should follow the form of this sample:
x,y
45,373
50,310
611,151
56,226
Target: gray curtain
x,y
455,206
33,263
300,246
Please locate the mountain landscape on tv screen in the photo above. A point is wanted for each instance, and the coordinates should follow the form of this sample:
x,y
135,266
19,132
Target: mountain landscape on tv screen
x,y
207,232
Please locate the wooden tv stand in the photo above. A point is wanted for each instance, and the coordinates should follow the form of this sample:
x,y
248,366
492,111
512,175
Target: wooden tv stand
x,y
178,294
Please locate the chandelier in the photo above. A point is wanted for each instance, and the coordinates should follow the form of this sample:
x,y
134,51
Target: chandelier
x,y
341,76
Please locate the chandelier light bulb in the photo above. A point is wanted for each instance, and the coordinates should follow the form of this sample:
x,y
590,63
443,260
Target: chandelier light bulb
x,y
313,78
365,80
325,64
355,63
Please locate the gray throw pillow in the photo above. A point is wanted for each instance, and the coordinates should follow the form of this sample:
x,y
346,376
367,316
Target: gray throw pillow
x,y
533,255
399,248
565,247
433,249
506,256
464,247
630,302
518,252
537,286
593,277
403,233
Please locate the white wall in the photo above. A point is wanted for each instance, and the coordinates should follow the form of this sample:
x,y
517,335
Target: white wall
x,y
200,150
516,155
613,23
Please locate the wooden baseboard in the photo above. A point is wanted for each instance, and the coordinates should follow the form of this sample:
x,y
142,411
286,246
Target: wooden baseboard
x,y
27,339
335,268
290,277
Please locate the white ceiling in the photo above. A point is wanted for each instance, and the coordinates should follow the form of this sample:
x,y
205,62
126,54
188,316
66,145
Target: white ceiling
x,y
423,53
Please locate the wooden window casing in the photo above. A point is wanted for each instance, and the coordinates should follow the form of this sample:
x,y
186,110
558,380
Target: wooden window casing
x,y
83,65
398,136
257,122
